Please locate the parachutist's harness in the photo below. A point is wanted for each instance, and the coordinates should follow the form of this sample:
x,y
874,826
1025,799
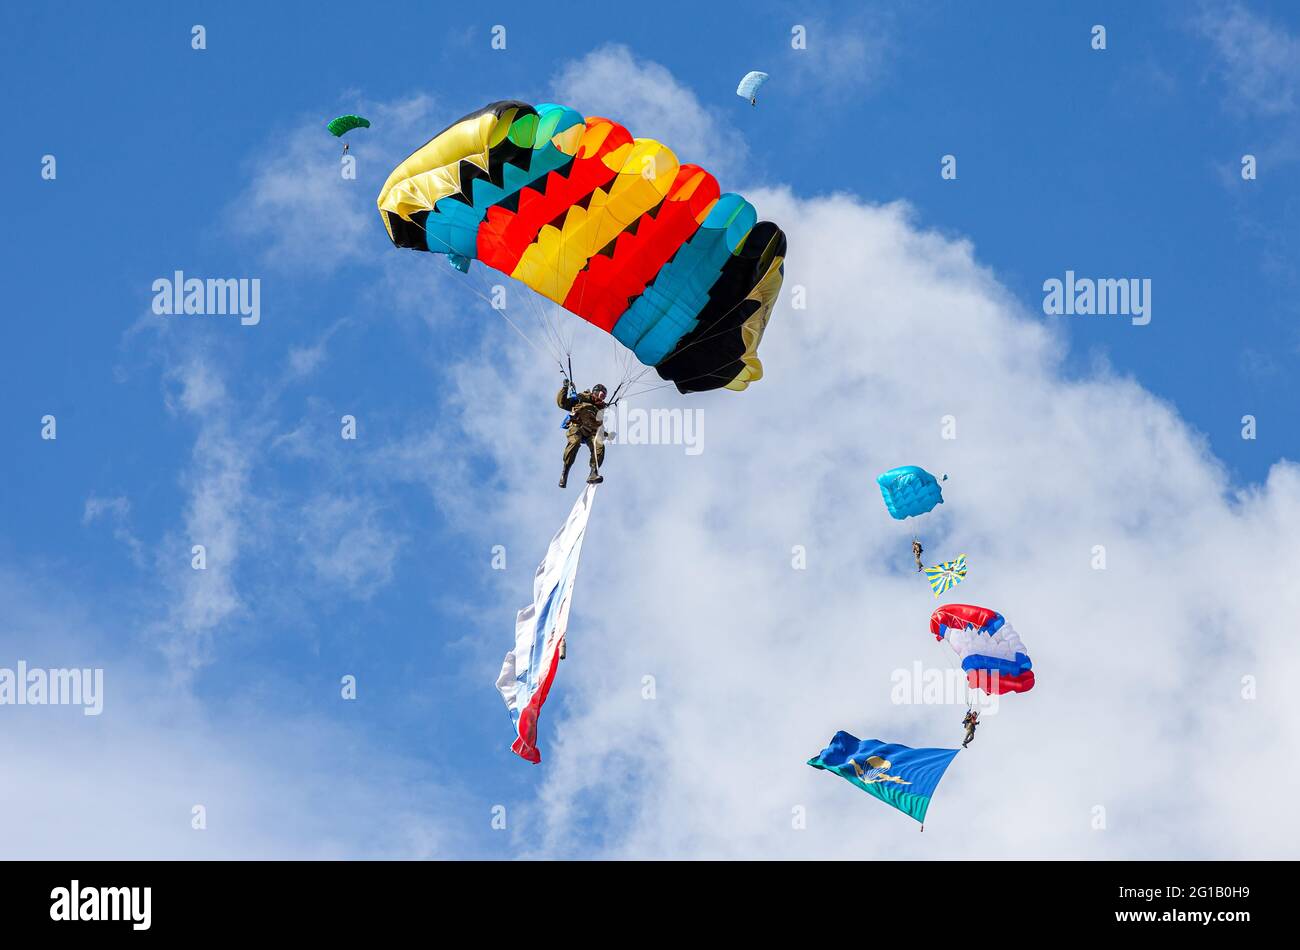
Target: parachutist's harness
x,y
568,416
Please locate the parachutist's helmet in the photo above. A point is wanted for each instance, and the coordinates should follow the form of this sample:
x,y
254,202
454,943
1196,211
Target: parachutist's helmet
x,y
599,390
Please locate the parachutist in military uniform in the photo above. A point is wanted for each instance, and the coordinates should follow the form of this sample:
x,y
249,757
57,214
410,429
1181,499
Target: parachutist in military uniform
x,y
916,553
583,425
970,722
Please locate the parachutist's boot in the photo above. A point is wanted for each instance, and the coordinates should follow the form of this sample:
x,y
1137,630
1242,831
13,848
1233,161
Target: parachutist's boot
x,y
595,478
564,477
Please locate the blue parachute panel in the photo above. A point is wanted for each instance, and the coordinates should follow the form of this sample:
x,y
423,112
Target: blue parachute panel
x,y
909,491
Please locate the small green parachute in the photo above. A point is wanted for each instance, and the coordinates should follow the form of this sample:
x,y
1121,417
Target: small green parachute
x,y
346,123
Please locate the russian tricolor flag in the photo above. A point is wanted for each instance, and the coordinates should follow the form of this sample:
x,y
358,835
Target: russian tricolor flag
x,y
529,669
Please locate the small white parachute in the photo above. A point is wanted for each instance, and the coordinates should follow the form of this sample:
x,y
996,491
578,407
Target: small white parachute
x,y
748,88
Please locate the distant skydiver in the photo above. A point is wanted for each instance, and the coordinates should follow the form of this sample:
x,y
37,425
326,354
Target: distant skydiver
x,y
344,124
749,86
583,425
916,553
970,722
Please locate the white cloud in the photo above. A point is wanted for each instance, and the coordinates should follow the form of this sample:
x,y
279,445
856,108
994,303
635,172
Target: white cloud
x,y
844,57
647,99
347,543
117,510
124,783
301,210
687,578
1260,60
201,388
1258,64
97,507
305,360
214,519
216,516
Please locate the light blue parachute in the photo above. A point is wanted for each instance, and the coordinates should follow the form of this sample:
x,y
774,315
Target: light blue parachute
x,y
748,88
909,491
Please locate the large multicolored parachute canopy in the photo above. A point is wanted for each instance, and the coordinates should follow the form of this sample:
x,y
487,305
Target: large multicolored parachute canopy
x,y
990,650
909,491
749,86
613,228
346,123
896,774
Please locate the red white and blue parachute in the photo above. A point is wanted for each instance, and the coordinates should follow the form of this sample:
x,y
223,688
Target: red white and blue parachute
x,y
990,650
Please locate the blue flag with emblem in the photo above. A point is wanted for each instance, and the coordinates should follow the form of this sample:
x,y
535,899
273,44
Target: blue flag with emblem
x,y
896,774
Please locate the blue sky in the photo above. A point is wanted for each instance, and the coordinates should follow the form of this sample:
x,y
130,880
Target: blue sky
x,y
371,558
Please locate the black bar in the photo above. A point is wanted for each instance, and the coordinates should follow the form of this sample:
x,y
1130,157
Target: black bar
x,y
455,902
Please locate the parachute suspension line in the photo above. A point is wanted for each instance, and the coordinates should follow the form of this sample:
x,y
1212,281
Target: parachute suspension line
x,y
553,342
950,660
565,329
650,389
619,392
630,370
488,300
527,338
632,379
558,349
560,345
554,327
628,374
479,279
622,377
